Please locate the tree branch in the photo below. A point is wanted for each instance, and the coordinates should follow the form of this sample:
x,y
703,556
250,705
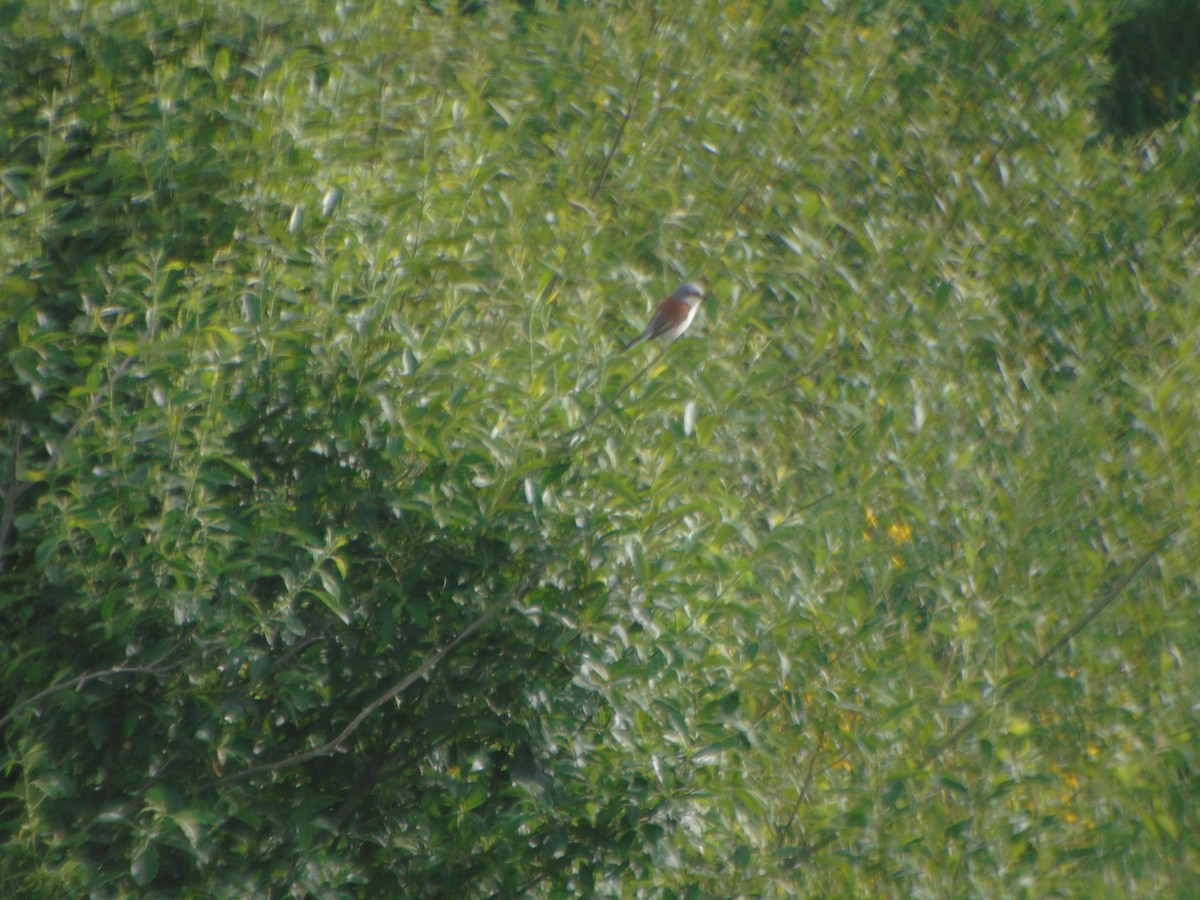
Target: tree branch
x,y
333,746
80,680
1105,600
566,436
612,151
12,492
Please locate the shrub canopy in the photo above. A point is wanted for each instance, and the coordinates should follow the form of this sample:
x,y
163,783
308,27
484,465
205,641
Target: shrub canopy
x,y
342,553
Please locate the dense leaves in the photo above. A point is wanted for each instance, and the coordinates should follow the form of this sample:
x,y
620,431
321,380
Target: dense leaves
x,y
341,553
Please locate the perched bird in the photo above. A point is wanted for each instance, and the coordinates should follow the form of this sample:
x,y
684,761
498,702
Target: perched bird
x,y
673,315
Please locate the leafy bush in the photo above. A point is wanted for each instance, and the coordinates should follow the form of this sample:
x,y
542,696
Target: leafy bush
x,y
342,553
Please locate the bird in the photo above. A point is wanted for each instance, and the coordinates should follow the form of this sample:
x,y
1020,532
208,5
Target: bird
x,y
673,315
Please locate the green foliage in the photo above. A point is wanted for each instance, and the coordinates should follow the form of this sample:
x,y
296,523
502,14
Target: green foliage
x,y
328,568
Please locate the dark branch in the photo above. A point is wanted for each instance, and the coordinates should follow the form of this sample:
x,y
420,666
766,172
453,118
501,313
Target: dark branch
x,y
333,746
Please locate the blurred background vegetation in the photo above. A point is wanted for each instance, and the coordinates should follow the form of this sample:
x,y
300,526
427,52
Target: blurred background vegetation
x,y
326,567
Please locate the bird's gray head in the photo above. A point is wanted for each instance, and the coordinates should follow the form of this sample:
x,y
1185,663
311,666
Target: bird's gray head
x,y
691,293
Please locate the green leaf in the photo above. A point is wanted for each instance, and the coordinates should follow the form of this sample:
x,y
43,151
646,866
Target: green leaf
x,y
144,868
